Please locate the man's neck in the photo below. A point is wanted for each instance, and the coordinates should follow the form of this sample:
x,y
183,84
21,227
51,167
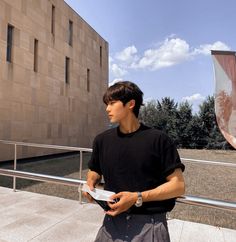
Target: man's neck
x,y
129,126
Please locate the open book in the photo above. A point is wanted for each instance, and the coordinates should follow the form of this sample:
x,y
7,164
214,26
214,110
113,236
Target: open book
x,y
100,196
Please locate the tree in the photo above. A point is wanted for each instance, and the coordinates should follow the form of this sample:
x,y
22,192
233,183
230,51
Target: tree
x,y
167,110
187,130
148,113
161,115
211,133
196,134
184,125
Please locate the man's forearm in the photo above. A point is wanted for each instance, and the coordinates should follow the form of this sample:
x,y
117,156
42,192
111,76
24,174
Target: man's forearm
x,y
163,192
174,187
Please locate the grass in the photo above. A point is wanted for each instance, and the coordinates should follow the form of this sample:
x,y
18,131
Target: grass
x,y
211,181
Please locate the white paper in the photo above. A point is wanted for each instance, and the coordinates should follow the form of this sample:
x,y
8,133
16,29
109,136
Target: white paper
x,y
98,194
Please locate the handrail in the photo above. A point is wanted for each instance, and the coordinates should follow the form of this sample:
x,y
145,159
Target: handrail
x,y
218,163
59,147
192,200
42,177
74,182
206,202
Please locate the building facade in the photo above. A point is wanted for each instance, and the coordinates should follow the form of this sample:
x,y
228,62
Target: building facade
x,y
53,73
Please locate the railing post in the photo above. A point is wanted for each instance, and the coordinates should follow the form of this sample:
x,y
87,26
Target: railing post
x,y
80,173
15,160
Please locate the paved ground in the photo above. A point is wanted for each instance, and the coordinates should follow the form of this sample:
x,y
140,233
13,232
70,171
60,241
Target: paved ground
x,y
26,216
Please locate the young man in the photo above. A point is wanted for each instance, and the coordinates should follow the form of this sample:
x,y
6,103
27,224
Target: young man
x,y
141,165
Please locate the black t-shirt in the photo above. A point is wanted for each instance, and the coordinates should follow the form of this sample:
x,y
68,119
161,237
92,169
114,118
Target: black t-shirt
x,y
134,162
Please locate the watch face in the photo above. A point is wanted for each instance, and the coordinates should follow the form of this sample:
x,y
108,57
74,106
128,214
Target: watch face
x,y
139,201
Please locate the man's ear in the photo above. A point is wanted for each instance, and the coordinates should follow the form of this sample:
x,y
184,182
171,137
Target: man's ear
x,y
131,103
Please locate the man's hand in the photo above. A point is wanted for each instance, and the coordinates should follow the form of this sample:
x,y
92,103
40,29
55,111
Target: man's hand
x,y
92,179
126,200
87,195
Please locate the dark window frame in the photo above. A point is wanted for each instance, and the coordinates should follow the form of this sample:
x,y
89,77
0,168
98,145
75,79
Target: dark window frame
x,y
70,34
10,32
88,80
53,20
67,70
36,43
100,56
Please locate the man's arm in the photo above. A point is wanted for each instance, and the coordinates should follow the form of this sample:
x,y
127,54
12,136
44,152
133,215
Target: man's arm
x,y
173,187
93,178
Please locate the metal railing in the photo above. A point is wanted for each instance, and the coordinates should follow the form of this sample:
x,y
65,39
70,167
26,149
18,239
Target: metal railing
x,y
209,162
58,147
191,200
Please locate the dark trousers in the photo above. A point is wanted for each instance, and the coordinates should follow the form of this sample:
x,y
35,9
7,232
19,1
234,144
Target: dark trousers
x,y
134,228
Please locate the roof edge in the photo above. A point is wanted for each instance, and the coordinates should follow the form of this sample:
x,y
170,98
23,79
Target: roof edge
x,y
222,52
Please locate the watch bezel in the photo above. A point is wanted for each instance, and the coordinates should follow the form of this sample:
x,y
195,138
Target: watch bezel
x,y
139,201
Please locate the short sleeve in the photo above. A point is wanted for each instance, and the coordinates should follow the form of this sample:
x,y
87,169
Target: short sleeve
x,y
94,162
170,159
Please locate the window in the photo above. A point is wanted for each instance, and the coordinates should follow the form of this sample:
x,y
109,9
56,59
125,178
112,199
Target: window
x,y
35,55
10,30
100,55
67,70
88,80
70,37
53,20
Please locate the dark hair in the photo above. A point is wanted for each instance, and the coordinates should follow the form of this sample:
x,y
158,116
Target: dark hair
x,y
124,91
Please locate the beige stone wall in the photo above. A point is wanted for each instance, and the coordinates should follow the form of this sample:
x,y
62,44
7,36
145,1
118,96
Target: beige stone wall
x,y
40,106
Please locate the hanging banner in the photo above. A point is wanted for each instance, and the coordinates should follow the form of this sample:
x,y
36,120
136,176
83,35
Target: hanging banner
x,y
225,93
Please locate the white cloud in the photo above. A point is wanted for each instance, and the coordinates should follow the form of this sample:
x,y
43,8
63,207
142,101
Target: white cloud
x,y
195,97
110,60
127,54
117,71
206,49
115,81
170,52
148,99
195,100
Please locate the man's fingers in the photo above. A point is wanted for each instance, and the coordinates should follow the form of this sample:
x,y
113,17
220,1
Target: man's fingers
x,y
112,213
91,187
85,194
115,196
113,205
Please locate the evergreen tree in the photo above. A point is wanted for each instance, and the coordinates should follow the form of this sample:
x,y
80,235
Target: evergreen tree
x,y
161,115
196,134
211,133
148,113
167,113
187,130
184,125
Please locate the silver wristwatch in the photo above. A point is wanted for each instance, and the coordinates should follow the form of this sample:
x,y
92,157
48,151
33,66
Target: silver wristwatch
x,y
139,201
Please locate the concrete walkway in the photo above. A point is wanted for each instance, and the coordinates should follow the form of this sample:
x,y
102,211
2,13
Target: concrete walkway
x,y
26,216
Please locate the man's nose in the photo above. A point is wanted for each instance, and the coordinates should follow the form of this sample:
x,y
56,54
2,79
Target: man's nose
x,y
108,108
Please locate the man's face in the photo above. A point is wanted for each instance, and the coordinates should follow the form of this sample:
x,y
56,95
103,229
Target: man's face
x,y
117,111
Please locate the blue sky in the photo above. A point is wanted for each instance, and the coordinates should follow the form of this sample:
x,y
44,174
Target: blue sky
x,y
163,45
